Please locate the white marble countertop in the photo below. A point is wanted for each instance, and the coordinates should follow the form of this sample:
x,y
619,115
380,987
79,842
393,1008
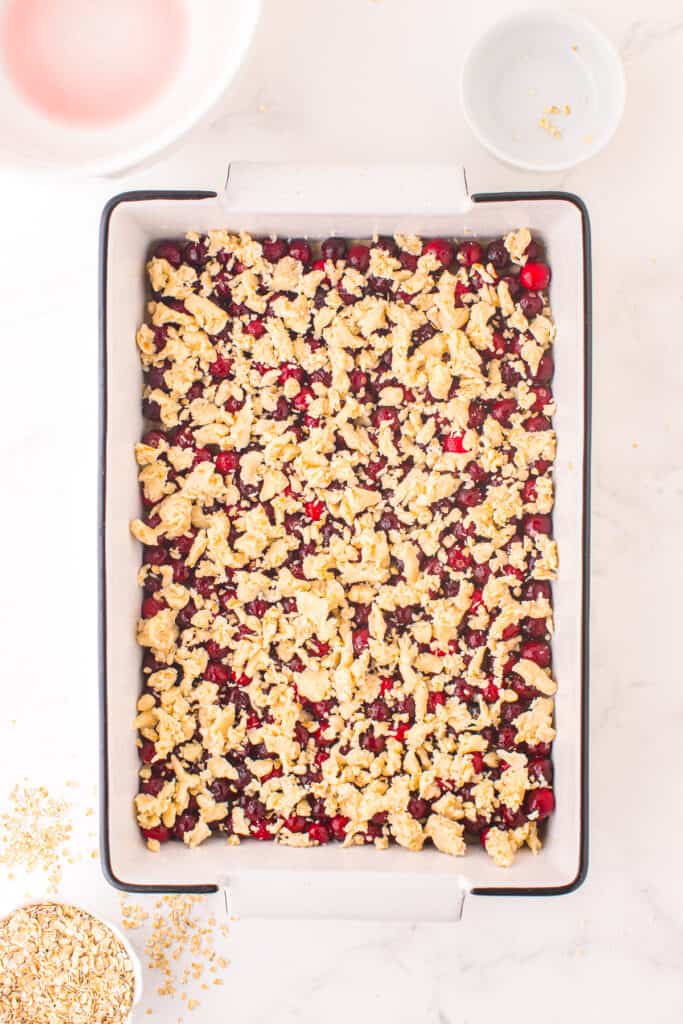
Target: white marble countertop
x,y
378,81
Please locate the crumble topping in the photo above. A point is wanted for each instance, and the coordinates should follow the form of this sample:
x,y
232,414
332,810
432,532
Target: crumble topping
x,y
346,495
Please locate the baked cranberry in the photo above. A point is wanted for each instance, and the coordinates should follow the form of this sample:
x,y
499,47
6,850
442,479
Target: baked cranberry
x,y
295,823
379,285
458,559
302,399
455,443
537,651
274,249
543,397
475,637
546,368
360,639
186,614
160,833
256,328
216,672
480,574
434,700
220,368
147,752
387,245
535,275
357,380
300,250
359,257
510,632
408,261
541,770
151,607
529,492
536,590
194,253
537,423
385,415
512,281
541,802
503,409
490,694
534,628
333,249
418,808
318,834
476,415
442,249
152,787
507,736
170,252
314,509
536,523
373,743
227,462
531,305
497,254
184,823
469,253
468,497
338,825
509,375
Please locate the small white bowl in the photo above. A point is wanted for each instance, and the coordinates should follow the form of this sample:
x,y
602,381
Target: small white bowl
x,y
219,33
132,955
531,62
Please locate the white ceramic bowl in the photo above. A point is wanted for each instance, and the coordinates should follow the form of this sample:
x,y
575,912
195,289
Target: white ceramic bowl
x,y
533,61
132,955
219,34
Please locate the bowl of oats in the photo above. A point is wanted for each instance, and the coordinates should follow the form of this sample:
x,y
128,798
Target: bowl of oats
x,y
64,965
543,90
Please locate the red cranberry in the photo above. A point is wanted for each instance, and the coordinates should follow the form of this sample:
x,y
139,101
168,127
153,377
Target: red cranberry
x,y
475,638
220,368
155,555
468,497
227,462
385,415
333,249
147,752
256,328
152,787
359,257
300,250
512,281
408,261
379,285
534,628
540,750
434,700
201,455
477,415
503,409
442,249
507,736
319,834
480,574
454,443
458,559
387,245
217,673
546,368
543,397
338,825
418,808
274,249
536,590
170,252
510,632
159,832
536,423
357,380
536,650
535,275
151,607
541,801
490,694
469,253
497,254
537,523
531,305
153,438
295,823
541,770
314,509
509,375
360,640
184,823
194,253
302,399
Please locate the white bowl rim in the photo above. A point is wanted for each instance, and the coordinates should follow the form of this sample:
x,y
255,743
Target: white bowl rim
x,y
556,17
160,141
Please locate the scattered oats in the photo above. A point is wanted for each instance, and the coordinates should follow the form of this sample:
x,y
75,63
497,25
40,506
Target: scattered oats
x,y
94,854
62,966
263,108
588,139
90,811
35,833
72,784
574,48
549,127
635,444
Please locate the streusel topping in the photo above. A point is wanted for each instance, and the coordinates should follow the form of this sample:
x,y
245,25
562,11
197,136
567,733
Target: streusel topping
x,y
347,553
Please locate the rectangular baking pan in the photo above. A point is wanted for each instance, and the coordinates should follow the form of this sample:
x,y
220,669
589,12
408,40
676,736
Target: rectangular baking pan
x,y
265,879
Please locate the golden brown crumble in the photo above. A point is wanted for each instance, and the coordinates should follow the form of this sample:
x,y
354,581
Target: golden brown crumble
x,y
347,493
